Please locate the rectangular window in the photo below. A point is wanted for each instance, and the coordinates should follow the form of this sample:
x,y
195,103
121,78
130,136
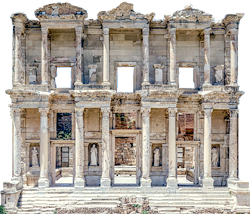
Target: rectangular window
x,y
65,156
63,78
64,126
125,79
186,77
186,127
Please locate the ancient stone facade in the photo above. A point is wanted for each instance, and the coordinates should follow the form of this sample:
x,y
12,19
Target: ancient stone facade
x,y
161,126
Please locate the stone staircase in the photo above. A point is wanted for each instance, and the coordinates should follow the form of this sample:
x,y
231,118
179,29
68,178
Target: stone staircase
x,y
160,199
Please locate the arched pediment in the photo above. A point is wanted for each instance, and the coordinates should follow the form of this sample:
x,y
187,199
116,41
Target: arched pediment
x,y
60,11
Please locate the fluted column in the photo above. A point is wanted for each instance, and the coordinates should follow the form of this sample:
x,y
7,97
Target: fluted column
x,y
43,181
172,75
79,148
233,149
145,180
44,59
233,56
78,56
207,180
145,54
207,57
172,171
106,57
17,143
105,180
18,59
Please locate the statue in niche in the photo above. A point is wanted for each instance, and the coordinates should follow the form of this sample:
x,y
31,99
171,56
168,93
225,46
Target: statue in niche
x,y
34,157
157,157
93,156
53,74
215,157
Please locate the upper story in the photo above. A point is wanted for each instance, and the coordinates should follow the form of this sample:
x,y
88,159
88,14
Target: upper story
x,y
95,50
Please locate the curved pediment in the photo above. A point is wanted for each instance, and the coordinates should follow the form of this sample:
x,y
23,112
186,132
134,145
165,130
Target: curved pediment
x,y
60,11
190,14
124,11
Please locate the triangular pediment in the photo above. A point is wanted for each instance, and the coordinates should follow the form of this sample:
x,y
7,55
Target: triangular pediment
x,y
60,11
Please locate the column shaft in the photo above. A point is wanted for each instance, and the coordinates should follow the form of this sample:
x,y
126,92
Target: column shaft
x,y
105,180
145,180
233,56
78,56
17,143
44,148
172,75
172,175
106,56
44,55
207,57
233,149
79,148
145,54
208,180
18,60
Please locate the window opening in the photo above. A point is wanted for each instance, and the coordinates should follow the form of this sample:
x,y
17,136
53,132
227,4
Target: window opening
x,y
63,78
186,78
125,79
186,127
64,126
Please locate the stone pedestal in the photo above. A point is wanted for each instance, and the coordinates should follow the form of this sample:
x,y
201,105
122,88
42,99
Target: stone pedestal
x,y
43,181
105,179
172,76
145,54
207,180
78,56
145,180
172,174
106,82
79,149
207,81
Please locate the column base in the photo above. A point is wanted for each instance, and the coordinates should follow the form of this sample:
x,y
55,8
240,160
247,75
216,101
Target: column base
x,y
78,83
206,85
106,85
79,182
208,183
172,183
43,183
146,182
105,182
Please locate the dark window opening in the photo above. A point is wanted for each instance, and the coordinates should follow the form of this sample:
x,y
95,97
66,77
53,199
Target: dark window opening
x,y
64,126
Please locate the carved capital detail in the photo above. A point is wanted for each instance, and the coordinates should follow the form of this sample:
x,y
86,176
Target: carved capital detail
x,y
15,112
44,30
207,31
208,112
172,31
234,113
79,112
105,111
44,112
172,112
106,31
78,29
145,31
233,31
145,111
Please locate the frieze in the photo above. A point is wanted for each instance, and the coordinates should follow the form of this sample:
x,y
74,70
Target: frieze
x,y
222,97
95,96
232,18
126,99
157,136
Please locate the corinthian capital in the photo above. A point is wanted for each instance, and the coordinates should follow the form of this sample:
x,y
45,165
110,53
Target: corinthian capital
x,y
105,111
145,111
234,113
79,111
208,112
44,112
172,112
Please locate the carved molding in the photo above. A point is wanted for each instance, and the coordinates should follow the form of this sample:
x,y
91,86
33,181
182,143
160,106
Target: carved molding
x,y
232,18
18,17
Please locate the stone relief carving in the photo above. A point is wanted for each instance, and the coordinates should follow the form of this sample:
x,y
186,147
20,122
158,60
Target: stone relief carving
x,y
93,155
157,157
215,157
34,157
92,74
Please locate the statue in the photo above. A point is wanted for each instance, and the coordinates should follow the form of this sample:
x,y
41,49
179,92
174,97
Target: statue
x,y
53,74
157,157
93,156
215,157
34,157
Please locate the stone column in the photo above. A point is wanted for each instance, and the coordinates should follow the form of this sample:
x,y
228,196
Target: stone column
x,y
172,165
79,148
145,180
43,181
207,57
78,56
145,54
207,180
233,149
18,60
44,55
233,56
17,143
105,180
172,75
106,57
